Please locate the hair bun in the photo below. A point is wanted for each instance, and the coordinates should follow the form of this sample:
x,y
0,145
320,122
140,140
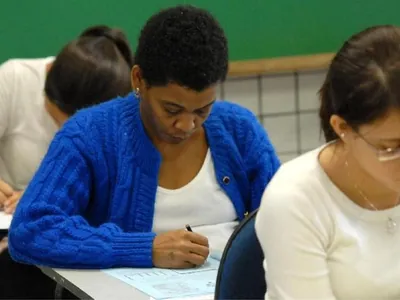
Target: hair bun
x,y
115,35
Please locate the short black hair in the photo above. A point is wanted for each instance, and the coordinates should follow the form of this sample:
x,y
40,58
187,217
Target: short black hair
x,y
363,79
183,45
91,69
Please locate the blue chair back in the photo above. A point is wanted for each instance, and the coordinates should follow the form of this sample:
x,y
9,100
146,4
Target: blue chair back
x,y
241,272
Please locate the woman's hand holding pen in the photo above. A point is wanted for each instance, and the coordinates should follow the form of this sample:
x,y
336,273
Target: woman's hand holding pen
x,y
180,249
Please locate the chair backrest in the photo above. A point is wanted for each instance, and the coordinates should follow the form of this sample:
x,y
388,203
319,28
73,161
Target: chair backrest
x,y
241,272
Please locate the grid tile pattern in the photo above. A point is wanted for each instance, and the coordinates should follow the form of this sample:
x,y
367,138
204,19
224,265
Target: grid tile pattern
x,y
286,105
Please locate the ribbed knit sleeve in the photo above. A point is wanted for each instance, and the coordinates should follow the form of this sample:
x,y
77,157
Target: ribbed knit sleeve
x,y
48,227
260,157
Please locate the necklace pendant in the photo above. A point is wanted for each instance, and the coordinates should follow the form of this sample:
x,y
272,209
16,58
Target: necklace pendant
x,y
391,226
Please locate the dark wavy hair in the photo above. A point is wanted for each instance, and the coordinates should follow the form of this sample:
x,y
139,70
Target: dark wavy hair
x,y
91,69
363,79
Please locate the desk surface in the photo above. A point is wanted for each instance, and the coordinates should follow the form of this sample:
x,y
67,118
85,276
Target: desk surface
x,y
95,284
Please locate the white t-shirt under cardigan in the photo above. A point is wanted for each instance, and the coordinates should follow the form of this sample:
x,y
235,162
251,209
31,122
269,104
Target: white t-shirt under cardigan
x,y
320,245
202,204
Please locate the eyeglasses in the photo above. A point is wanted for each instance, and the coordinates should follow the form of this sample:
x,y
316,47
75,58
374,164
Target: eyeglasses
x,y
383,155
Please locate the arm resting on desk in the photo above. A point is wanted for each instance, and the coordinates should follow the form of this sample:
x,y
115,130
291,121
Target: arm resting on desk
x,y
48,229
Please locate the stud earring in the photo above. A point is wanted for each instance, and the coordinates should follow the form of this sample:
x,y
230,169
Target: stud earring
x,y
137,92
342,135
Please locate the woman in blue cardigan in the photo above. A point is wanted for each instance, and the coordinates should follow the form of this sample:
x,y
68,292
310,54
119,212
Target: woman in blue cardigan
x,y
121,180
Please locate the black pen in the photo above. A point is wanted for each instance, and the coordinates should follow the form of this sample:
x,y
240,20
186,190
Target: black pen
x,y
188,228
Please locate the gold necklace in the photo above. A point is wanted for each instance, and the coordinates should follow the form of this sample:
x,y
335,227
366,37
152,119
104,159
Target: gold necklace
x,y
391,225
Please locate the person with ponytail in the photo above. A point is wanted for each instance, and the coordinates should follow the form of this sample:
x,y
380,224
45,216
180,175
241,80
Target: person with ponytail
x,y
36,97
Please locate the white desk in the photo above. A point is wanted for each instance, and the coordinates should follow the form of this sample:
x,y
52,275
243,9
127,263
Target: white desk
x,y
95,284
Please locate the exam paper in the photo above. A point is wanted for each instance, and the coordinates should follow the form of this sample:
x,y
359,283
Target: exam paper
x,y
5,220
171,284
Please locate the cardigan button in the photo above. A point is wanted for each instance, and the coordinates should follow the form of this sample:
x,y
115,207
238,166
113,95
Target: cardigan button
x,y
226,180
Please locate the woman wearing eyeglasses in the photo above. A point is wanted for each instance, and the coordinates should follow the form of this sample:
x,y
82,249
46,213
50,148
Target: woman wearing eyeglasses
x,y
329,222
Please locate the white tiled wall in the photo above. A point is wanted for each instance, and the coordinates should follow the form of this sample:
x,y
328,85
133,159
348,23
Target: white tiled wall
x,y
282,132
287,105
278,94
309,84
244,92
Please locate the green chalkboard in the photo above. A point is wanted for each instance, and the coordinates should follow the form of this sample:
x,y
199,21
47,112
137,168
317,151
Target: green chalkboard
x,y
255,28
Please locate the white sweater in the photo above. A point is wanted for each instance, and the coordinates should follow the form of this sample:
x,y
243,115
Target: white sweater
x,y
26,128
318,244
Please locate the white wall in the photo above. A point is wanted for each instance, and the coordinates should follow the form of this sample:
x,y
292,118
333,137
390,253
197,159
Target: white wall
x,y
287,106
